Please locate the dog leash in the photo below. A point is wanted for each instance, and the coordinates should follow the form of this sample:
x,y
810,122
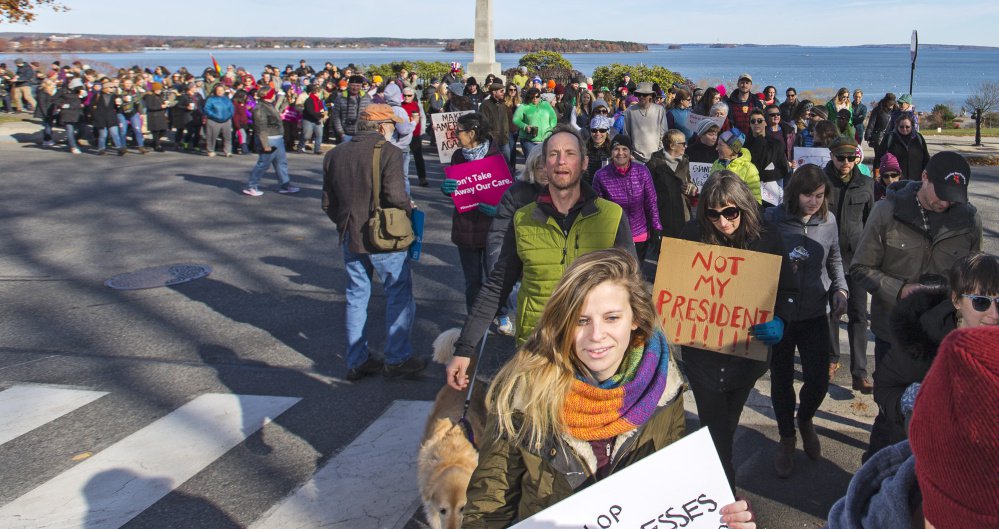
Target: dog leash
x,y
463,421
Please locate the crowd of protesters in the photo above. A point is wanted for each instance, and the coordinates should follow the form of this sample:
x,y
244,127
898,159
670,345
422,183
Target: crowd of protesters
x,y
903,232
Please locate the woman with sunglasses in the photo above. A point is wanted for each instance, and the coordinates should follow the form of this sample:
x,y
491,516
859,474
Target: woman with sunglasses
x,y
777,129
512,100
811,237
908,146
677,116
674,190
628,184
919,324
598,145
727,215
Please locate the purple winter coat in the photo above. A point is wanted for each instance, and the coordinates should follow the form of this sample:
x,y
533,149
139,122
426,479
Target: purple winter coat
x,y
634,192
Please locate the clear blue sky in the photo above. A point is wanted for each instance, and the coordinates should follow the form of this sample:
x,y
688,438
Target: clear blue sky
x,y
819,22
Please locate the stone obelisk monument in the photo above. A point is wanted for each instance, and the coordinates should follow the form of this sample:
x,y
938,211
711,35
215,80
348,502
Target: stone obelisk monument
x,y
484,52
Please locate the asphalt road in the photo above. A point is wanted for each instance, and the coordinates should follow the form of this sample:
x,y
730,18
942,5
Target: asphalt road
x,y
268,322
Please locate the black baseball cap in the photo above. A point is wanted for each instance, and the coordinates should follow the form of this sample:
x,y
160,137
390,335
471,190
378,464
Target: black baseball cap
x,y
950,174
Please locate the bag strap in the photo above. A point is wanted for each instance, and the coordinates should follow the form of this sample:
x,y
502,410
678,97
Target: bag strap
x,y
376,176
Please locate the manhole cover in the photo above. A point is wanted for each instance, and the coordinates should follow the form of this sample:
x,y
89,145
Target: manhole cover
x,y
160,276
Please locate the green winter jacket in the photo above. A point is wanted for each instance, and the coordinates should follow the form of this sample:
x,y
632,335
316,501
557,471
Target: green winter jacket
x,y
541,115
513,482
743,166
547,251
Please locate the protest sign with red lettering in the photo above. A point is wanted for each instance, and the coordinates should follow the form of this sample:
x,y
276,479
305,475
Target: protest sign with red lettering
x,y
445,126
483,180
708,296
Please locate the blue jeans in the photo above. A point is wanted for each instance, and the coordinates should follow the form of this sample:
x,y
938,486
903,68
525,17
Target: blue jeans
x,y
71,135
136,122
102,137
312,131
505,151
47,129
405,170
400,307
528,146
276,157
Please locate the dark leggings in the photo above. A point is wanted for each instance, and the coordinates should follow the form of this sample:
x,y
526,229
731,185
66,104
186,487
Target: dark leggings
x,y
416,149
811,337
720,411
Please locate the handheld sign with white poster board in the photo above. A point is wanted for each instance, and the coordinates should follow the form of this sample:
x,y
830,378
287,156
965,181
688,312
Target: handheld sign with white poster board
x,y
812,155
445,126
699,173
483,180
708,296
772,193
682,485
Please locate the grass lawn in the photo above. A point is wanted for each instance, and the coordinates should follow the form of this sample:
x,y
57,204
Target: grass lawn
x,y
986,132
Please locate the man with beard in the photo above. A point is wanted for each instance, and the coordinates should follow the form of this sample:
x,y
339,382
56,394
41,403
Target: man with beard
x,y
566,221
349,106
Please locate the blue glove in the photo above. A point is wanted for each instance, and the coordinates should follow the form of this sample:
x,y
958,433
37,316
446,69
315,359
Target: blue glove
x,y
449,186
486,209
770,332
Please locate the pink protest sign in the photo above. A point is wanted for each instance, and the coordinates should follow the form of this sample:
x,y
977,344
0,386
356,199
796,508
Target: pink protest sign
x,y
483,180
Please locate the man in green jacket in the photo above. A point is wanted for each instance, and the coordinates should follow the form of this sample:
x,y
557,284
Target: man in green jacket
x,y
566,221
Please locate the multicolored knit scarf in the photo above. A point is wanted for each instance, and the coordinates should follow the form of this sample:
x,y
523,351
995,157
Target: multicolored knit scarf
x,y
592,413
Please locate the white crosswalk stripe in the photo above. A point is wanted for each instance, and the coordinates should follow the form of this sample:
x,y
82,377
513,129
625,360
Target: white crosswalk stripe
x,y
372,483
118,483
24,408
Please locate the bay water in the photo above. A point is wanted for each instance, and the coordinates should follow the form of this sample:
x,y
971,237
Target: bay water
x,y
943,75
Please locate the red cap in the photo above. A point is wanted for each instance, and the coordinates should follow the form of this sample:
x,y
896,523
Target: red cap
x,y
954,433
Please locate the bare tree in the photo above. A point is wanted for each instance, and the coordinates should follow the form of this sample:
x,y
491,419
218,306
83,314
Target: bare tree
x,y
23,11
985,100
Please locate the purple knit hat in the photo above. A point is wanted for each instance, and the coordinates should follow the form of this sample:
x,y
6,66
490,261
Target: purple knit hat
x,y
889,164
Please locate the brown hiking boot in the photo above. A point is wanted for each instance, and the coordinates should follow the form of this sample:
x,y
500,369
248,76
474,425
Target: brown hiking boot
x,y
784,462
809,439
863,385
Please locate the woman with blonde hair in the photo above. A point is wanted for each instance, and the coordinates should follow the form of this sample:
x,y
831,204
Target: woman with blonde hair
x,y
512,100
594,383
45,109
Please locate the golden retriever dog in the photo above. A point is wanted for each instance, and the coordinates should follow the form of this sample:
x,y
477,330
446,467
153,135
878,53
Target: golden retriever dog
x,y
447,459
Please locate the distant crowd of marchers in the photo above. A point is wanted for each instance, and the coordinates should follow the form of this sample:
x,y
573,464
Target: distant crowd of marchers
x,y
39,43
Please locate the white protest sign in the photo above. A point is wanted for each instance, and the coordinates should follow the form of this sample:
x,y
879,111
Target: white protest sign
x,y
445,125
811,155
693,120
699,173
772,193
682,485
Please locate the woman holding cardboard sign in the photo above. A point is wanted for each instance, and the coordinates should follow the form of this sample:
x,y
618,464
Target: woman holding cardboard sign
x,y
469,229
593,391
811,238
728,215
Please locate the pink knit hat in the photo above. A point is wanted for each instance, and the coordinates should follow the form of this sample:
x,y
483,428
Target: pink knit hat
x,y
889,164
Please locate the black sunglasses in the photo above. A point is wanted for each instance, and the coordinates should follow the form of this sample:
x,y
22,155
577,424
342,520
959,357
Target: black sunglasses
x,y
730,213
602,111
756,121
773,115
598,130
850,158
980,303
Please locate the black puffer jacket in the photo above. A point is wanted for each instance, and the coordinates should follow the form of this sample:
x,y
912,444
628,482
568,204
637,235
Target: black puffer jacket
x,y
104,111
918,323
877,127
70,107
911,153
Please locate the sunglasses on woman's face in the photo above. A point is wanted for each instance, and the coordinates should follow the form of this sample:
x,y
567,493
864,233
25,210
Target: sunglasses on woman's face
x,y
598,130
755,121
846,158
602,111
730,213
773,116
980,303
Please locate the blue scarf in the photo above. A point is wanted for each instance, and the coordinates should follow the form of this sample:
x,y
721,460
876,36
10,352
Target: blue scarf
x,y
476,153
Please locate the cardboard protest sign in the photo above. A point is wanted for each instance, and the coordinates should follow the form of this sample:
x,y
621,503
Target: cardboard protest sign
x,y
699,173
444,124
483,180
772,192
682,485
811,155
693,120
708,296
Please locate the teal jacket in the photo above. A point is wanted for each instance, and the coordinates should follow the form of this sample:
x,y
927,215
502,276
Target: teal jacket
x,y
540,115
